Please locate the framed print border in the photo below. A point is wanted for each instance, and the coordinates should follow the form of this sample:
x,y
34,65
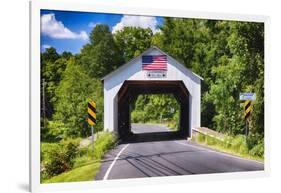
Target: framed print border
x,y
36,6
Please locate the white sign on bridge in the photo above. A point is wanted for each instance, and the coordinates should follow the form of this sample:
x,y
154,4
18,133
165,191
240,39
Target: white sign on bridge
x,y
156,74
248,96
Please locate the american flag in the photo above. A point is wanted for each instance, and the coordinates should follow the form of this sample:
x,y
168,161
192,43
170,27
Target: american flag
x,y
154,62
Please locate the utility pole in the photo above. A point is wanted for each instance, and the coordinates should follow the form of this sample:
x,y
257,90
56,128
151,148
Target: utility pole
x,y
43,102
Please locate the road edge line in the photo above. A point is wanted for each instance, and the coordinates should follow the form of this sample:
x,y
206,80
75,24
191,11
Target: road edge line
x,y
112,164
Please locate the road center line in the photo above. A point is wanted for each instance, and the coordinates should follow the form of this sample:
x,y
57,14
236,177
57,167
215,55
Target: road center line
x,y
222,153
112,164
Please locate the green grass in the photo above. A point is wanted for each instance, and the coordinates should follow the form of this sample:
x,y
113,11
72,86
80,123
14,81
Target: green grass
x,y
87,163
233,145
173,125
83,173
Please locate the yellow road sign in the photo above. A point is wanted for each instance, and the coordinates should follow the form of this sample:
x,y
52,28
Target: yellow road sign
x,y
92,116
247,109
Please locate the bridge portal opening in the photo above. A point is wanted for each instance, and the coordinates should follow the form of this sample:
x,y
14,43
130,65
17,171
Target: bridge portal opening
x,y
154,113
130,93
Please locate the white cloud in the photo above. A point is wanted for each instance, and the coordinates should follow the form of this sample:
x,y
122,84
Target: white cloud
x,y
136,21
93,25
55,29
45,46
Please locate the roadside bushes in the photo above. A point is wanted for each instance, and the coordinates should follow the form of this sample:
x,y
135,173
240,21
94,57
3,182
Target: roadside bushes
x,y
53,131
258,150
58,157
154,108
251,146
239,144
104,142
139,117
255,143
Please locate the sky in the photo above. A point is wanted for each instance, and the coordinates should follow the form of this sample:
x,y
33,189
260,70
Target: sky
x,y
69,30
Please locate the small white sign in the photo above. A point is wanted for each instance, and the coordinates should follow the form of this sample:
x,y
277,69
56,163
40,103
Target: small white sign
x,y
248,96
156,74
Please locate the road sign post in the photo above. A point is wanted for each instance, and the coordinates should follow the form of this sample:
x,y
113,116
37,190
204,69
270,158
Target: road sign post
x,y
92,117
92,132
248,98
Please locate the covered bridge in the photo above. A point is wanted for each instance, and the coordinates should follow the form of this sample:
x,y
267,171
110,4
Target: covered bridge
x,y
152,72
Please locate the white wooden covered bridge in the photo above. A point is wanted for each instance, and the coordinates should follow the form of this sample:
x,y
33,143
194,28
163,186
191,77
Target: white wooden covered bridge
x,y
133,78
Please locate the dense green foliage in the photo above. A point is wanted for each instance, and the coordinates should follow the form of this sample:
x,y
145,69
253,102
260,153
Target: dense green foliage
x,y
155,108
66,161
101,55
229,55
133,41
58,157
73,93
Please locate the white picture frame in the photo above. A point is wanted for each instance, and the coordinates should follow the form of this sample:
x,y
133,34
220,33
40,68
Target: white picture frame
x,y
36,6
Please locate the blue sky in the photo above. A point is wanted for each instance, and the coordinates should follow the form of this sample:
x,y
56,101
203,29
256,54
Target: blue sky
x,y
69,30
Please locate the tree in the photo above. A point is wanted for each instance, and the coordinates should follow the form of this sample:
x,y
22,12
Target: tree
x,y
49,55
224,94
52,67
66,55
239,69
229,56
178,38
132,41
247,43
73,93
154,108
101,55
52,75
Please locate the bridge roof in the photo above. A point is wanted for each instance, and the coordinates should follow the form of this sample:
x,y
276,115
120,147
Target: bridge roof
x,y
130,62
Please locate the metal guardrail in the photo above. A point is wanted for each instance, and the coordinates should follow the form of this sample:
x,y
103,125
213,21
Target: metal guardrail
x,y
208,134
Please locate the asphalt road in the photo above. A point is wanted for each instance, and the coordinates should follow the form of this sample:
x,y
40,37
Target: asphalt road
x,y
168,158
138,128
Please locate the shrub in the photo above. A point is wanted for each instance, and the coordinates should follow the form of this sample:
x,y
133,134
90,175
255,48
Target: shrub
x,y
258,150
236,144
105,142
201,138
239,144
58,157
53,132
138,117
210,140
227,142
253,140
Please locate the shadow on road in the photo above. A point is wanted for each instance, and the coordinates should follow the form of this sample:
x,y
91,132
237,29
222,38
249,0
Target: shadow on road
x,y
156,136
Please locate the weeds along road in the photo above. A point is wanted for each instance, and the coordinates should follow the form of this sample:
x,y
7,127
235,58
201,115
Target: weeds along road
x,y
168,158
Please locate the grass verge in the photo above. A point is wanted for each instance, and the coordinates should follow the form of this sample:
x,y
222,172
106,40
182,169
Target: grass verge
x,y
87,163
233,145
83,173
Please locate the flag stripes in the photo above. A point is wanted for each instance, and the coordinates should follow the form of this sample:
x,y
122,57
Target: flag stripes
x,y
154,62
